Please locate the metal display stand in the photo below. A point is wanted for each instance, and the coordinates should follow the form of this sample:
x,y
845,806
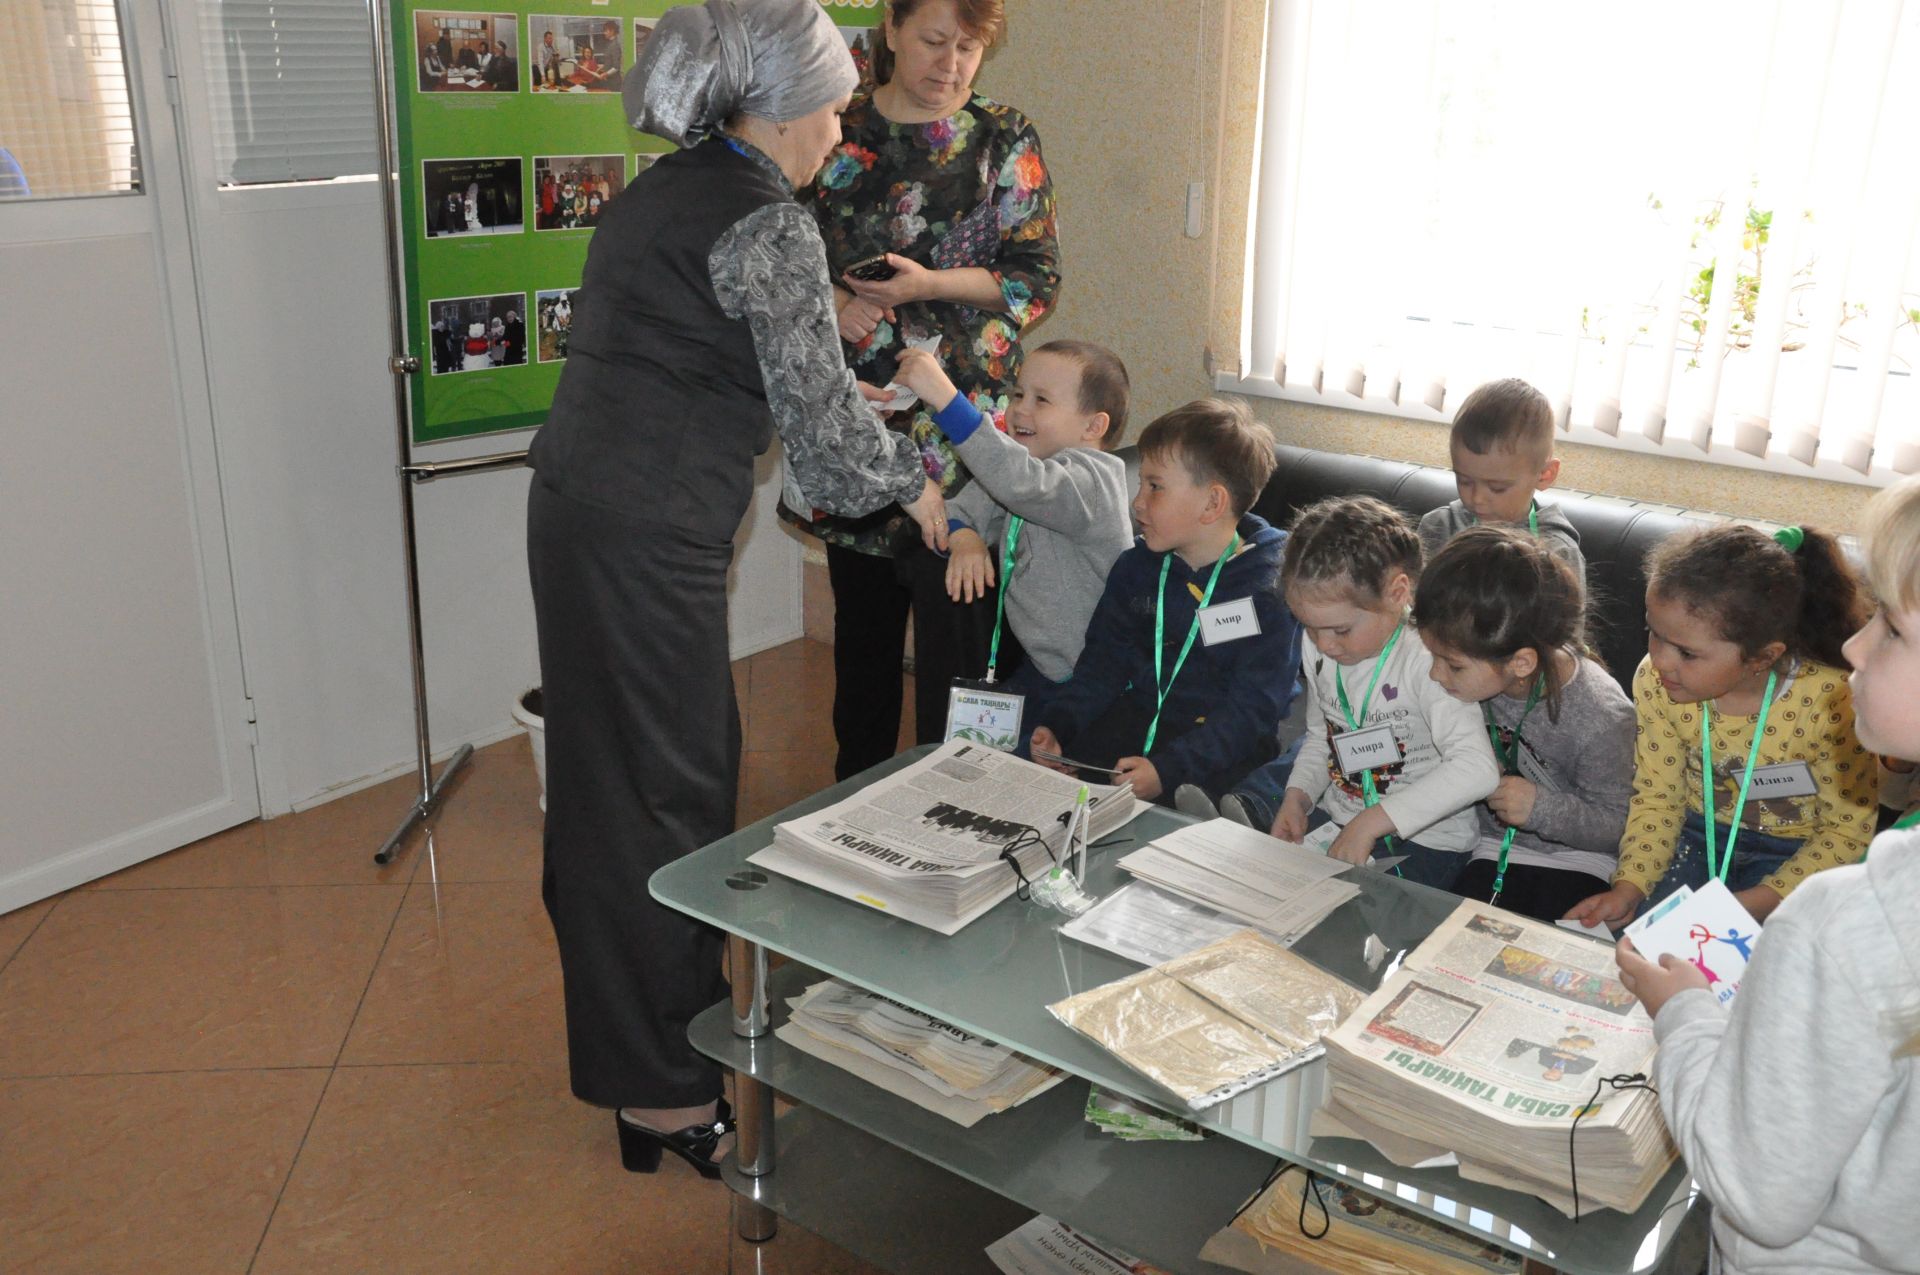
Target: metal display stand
x,y
401,365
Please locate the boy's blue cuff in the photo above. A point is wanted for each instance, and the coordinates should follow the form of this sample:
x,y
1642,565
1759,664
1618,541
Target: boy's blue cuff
x,y
958,419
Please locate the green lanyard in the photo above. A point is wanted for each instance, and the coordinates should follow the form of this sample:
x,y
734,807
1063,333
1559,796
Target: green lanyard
x,y
1366,776
1533,518
1160,686
1000,599
1509,759
1719,867
1907,820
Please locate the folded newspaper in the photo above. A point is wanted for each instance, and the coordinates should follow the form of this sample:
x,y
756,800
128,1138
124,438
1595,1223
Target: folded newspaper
x,y
912,1055
1046,1247
1298,1225
1488,1042
1215,1022
1280,888
945,839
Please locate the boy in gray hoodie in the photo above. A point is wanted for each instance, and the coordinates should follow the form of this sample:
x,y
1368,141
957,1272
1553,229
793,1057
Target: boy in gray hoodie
x,y
1048,491
1502,450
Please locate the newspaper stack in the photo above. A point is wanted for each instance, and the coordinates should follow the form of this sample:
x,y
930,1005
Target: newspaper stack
x,y
1215,1022
911,1055
1300,1225
1281,889
1046,1247
1132,1121
945,839
1487,1042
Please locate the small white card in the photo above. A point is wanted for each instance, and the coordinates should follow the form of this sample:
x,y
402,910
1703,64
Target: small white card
x,y
1231,621
1786,779
983,715
1323,837
1710,928
1365,749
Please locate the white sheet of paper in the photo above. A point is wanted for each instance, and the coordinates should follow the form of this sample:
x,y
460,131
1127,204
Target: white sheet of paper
x,y
1148,925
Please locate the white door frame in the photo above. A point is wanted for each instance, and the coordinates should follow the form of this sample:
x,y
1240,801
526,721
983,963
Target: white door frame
x,y
159,211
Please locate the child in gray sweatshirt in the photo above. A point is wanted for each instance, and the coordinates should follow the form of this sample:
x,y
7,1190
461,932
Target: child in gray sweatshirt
x,y
1502,615
1797,1107
1048,491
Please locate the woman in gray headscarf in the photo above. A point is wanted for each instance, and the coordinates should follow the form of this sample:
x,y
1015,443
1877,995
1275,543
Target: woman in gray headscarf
x,y
704,323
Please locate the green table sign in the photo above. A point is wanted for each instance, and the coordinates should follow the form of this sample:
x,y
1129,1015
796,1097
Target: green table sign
x,y
512,141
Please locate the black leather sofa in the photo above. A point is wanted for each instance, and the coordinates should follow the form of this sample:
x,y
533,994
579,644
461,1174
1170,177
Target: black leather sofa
x,y
1614,539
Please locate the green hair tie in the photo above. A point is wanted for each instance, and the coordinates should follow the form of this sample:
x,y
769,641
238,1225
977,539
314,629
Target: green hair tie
x,y
1790,538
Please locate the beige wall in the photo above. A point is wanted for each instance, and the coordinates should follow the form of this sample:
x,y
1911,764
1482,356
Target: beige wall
x,y
1133,99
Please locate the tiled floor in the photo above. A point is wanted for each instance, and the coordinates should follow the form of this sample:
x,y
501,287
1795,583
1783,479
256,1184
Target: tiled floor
x,y
263,1053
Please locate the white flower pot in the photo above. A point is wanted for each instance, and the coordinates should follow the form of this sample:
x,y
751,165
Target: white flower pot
x,y
527,711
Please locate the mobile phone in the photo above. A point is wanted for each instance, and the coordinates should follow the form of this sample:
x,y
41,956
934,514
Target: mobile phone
x,y
872,269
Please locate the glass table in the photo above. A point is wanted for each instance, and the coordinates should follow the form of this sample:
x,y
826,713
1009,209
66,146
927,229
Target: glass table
x,y
911,1191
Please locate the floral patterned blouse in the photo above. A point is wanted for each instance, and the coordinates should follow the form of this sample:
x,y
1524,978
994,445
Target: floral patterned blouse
x,y
968,190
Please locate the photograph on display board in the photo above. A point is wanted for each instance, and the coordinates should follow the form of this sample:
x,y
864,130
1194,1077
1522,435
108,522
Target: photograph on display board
x,y
472,197
553,311
860,44
466,52
642,32
472,334
575,54
643,161
571,191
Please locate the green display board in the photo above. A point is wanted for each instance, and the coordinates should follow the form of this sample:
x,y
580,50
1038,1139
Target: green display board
x,y
511,141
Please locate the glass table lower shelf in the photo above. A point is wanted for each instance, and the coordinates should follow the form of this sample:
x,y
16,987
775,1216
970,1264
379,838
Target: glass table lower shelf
x,y
1159,1200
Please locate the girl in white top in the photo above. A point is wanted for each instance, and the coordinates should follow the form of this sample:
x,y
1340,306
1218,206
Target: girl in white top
x,y
1798,1106
1388,755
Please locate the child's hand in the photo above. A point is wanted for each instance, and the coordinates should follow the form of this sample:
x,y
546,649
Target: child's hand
x,y
1612,909
1760,900
1655,985
1355,842
969,565
920,372
859,317
1291,823
1044,741
911,282
1141,773
1512,801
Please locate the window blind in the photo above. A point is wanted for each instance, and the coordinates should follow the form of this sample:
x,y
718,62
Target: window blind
x,y
66,120
292,89
1692,226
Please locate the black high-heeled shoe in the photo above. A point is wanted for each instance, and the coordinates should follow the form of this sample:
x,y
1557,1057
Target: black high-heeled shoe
x,y
640,1147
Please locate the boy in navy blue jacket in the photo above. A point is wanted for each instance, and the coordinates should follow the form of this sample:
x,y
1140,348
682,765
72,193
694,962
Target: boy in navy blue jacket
x,y
1201,584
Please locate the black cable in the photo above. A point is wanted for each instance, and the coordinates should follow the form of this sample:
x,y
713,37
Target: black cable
x,y
1326,1218
1635,1081
1028,836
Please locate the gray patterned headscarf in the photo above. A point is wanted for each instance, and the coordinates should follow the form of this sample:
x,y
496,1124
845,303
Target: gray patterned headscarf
x,y
777,59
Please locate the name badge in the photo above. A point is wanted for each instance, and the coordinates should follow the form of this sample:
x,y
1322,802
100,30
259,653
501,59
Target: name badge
x,y
1533,770
982,713
1787,779
1368,749
1228,622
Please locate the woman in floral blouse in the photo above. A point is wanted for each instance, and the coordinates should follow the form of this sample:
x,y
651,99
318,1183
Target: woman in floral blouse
x,y
952,189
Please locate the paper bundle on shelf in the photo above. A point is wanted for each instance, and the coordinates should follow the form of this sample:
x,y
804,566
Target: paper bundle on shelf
x,y
1214,1022
943,840
1486,1043
911,1055
1296,1226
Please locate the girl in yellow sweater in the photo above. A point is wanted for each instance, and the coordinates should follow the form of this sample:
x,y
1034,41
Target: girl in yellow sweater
x,y
1744,681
